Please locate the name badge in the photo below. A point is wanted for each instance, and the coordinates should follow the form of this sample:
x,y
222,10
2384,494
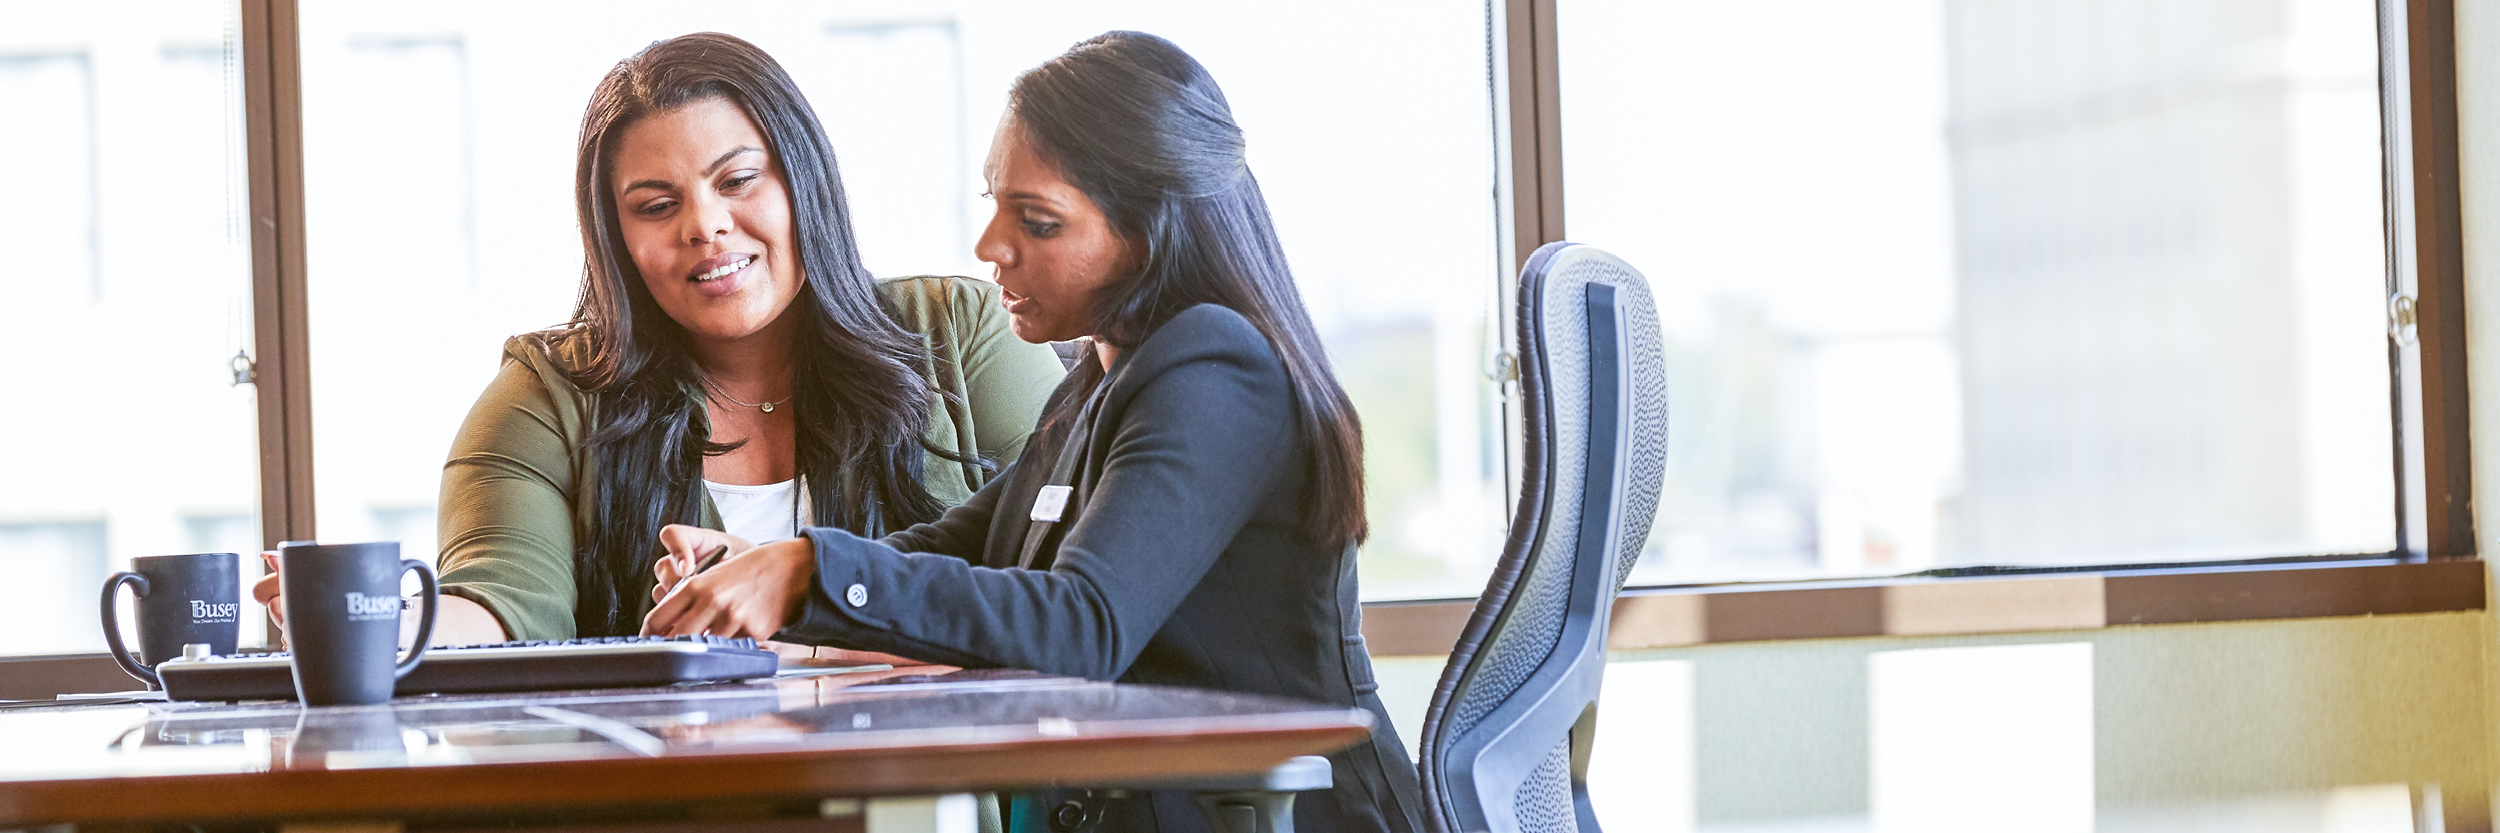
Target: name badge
x,y
1052,501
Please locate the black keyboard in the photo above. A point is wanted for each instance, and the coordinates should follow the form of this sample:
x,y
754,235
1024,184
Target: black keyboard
x,y
535,665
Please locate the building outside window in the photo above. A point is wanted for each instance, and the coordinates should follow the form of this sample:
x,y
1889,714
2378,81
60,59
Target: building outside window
x,y
1958,282
124,170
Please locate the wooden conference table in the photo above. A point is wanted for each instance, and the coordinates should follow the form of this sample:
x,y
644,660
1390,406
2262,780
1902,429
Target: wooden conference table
x,y
790,753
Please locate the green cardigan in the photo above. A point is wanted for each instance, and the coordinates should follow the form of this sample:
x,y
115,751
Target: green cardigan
x,y
512,507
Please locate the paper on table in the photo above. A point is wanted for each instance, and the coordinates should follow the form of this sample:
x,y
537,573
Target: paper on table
x,y
817,668
141,694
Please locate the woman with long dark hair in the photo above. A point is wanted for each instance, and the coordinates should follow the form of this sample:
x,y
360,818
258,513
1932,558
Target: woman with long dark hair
x,y
1188,512
730,364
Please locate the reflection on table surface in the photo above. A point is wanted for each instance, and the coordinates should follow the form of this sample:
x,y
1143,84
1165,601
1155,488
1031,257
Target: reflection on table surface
x,y
911,706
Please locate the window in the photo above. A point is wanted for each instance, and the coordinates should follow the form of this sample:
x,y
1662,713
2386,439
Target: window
x,y
396,274
46,562
54,89
1953,282
924,180
126,423
1944,282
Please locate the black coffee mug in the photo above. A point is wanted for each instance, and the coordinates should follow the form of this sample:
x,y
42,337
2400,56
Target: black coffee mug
x,y
182,600
342,620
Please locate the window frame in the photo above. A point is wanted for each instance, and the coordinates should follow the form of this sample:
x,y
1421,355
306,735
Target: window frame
x,y
2426,263
273,135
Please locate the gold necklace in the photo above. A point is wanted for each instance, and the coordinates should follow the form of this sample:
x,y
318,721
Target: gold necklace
x,y
766,407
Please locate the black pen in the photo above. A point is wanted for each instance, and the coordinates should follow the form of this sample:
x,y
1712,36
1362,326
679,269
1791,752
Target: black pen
x,y
701,566
709,560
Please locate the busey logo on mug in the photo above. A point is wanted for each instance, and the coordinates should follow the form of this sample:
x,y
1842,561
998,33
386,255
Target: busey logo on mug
x,y
364,608
205,613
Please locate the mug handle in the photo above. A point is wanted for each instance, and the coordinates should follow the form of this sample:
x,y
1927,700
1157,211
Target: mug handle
x,y
113,627
425,621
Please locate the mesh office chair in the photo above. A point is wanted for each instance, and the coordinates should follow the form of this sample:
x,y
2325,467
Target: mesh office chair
x,y
1506,741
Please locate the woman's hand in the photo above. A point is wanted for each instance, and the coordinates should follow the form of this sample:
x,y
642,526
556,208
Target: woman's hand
x,y
751,593
457,620
265,591
687,547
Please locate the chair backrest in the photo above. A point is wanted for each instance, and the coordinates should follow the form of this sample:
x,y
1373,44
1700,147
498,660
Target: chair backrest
x,y
1506,741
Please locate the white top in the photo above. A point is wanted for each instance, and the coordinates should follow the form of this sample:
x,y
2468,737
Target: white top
x,y
759,514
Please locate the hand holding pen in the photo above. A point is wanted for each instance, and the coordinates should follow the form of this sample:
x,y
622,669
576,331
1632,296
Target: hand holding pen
x,y
690,550
748,591
707,563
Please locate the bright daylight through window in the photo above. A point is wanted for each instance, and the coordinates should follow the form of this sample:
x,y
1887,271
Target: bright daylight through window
x,y
124,164
1944,282
1953,282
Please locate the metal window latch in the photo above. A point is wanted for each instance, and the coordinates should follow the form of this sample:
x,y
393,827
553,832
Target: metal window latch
x,y
245,372
2401,319
1505,368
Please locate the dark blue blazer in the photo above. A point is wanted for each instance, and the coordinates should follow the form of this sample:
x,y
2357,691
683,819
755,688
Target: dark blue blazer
x,y
1180,561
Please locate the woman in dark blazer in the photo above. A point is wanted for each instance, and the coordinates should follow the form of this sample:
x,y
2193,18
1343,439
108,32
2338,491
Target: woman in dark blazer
x,y
1186,514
